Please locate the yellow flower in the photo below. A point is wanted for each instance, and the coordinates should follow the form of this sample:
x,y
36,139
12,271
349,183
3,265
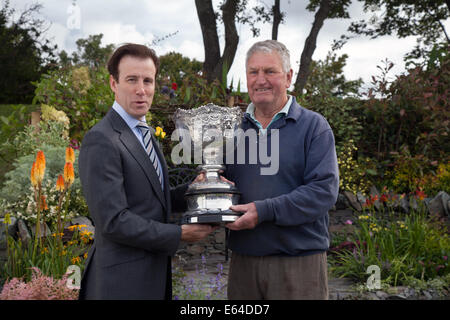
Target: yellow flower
x,y
85,233
160,133
75,260
7,219
44,250
77,226
85,255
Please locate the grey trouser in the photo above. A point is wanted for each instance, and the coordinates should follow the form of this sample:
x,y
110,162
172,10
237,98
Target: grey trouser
x,y
278,277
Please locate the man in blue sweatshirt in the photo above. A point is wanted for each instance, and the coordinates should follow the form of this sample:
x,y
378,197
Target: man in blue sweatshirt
x,y
279,244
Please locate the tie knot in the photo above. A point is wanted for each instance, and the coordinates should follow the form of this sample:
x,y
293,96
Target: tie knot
x,y
143,126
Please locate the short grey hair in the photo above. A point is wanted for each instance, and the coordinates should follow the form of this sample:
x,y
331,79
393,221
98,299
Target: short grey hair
x,y
270,46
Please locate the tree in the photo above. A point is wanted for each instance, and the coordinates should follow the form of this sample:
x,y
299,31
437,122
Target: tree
x,y
264,14
333,96
328,9
215,64
277,19
89,52
23,52
406,18
175,66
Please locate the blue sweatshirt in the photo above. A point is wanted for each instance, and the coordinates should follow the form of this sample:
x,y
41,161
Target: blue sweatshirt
x,y
293,203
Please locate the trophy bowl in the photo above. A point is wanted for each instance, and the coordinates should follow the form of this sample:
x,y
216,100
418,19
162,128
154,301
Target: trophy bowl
x,y
206,130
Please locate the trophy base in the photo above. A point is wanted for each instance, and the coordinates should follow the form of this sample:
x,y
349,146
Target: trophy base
x,y
210,217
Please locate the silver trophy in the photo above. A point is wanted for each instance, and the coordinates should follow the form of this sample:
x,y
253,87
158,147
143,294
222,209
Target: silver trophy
x,y
208,131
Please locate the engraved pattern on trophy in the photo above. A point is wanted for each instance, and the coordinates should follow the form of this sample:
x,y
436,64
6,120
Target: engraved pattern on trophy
x,y
206,131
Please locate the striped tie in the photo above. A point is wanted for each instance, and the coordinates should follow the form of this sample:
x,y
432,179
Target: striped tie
x,y
146,137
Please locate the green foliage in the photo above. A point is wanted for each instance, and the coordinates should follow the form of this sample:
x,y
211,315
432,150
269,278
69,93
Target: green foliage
x,y
403,246
180,82
204,287
439,284
338,9
17,191
406,18
330,94
410,173
174,67
24,54
438,180
55,255
406,123
352,176
89,52
33,138
26,143
13,118
82,93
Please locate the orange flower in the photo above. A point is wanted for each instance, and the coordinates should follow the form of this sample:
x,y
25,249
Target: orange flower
x,y
60,183
40,166
70,155
43,203
69,175
33,175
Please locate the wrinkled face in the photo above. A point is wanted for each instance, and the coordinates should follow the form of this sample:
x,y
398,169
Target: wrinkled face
x,y
135,87
266,81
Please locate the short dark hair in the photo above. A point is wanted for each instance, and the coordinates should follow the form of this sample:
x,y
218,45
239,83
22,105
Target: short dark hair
x,y
130,49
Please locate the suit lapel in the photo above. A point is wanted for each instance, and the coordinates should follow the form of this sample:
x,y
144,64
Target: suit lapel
x,y
130,142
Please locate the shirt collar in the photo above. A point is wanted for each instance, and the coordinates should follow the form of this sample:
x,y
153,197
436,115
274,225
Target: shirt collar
x,y
130,121
284,111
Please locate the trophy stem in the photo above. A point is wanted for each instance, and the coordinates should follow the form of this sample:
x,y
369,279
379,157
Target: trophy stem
x,y
212,171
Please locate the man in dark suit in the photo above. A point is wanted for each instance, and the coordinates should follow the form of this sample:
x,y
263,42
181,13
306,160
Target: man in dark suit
x,y
125,182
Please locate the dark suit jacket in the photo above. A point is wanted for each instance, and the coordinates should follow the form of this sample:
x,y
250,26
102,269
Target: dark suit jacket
x,y
130,258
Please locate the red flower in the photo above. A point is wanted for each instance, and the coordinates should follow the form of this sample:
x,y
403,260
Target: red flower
x,y
420,195
174,86
384,198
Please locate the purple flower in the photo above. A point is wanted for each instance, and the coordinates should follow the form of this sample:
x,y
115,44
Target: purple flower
x,y
348,222
74,144
165,89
